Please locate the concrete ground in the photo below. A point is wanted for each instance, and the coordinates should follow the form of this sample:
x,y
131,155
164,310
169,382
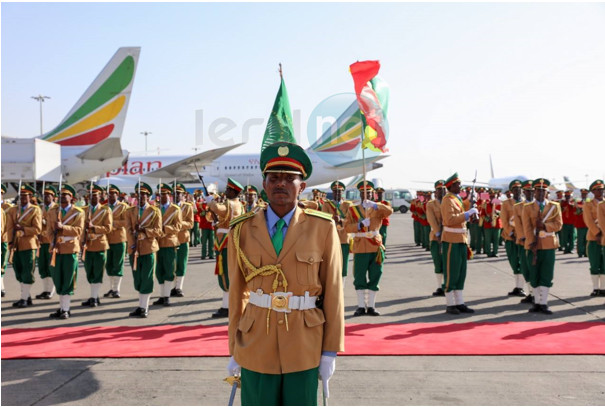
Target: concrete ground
x,y
405,297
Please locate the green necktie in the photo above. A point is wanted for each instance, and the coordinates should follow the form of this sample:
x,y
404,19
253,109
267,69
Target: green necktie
x,y
278,236
63,212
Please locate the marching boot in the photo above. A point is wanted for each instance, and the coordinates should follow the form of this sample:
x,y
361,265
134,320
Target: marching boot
x,y
460,303
223,311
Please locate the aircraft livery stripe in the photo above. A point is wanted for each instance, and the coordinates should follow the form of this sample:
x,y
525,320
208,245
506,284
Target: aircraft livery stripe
x,y
91,137
349,145
345,137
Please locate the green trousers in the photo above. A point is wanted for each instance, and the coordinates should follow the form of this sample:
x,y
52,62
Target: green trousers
x,y
94,264
491,238
24,264
595,258
195,235
44,257
436,255
143,275
383,233
4,256
223,279
65,273
166,266
454,266
417,233
115,259
513,255
523,261
182,256
568,237
208,243
345,259
476,237
366,271
581,247
290,389
541,274
426,232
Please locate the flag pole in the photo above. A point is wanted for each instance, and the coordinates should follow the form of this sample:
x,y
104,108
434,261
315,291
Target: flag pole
x,y
281,75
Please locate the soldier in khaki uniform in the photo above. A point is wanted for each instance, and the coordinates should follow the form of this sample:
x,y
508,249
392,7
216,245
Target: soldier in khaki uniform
x,y
541,221
338,209
364,222
184,235
226,212
519,233
117,239
507,215
145,227
286,318
45,241
386,221
24,223
66,224
99,221
601,222
594,237
251,193
433,215
454,246
165,270
5,206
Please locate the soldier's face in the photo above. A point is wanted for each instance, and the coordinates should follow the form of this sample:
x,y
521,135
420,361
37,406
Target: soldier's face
x,y
337,194
250,198
529,194
598,193
94,199
282,188
516,192
48,199
24,198
379,195
65,200
540,194
164,198
113,197
455,188
231,193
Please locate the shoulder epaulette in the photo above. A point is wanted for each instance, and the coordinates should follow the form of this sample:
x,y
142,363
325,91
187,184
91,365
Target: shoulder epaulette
x,y
78,209
318,214
241,218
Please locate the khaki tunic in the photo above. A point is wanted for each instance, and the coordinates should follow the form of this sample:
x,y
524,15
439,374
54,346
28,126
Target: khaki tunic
x,y
171,225
433,215
364,244
452,214
31,220
4,234
330,207
601,220
518,222
226,212
151,221
507,215
46,236
68,239
96,236
311,260
120,223
590,218
553,224
187,217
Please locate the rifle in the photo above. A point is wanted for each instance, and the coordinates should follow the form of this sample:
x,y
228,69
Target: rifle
x,y
473,201
15,241
135,255
86,226
214,217
534,249
54,248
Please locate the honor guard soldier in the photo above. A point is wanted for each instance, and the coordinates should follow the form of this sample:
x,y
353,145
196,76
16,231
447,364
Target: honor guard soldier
x,y
184,235
541,220
66,223
454,247
286,317
338,209
317,197
509,220
5,206
195,238
433,215
98,224
519,233
226,212
386,221
594,238
46,238
581,228
364,221
24,222
492,225
251,193
145,227
207,240
117,239
168,241
568,233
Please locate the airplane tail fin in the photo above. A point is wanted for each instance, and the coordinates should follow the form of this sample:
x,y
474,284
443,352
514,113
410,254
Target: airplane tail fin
x,y
568,183
491,166
101,111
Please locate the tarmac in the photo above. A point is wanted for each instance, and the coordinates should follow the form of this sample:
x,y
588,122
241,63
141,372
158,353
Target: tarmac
x,y
404,297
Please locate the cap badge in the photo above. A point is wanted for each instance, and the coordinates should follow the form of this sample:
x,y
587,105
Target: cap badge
x,y
283,151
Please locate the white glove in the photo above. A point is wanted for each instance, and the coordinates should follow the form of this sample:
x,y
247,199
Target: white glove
x,y
233,368
369,204
327,365
471,212
366,223
209,199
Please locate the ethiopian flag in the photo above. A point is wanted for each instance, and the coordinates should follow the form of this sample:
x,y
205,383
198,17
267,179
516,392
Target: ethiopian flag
x,y
279,126
373,98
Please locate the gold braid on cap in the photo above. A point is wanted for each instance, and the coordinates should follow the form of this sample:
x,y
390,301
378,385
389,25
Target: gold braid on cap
x,y
262,271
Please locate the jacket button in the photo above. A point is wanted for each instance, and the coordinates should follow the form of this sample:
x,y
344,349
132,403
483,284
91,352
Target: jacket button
x,y
280,322
311,259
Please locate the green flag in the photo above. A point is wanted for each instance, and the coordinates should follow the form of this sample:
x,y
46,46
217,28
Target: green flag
x,y
279,126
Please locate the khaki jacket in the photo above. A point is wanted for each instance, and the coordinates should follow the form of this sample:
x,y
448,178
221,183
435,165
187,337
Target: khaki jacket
x,y
601,220
186,222
226,212
120,223
6,206
452,215
507,215
31,220
46,236
102,221
151,221
433,216
68,239
590,218
311,261
553,224
307,204
518,222
4,234
371,244
330,207
171,225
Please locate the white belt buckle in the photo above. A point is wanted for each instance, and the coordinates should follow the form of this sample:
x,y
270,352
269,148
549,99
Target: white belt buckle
x,y
280,302
542,234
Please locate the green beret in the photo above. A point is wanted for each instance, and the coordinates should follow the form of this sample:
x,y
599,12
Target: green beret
x,y
541,183
68,189
27,189
49,189
251,188
451,180
337,185
284,157
180,187
369,185
440,184
4,188
114,188
144,188
515,183
233,184
597,184
165,188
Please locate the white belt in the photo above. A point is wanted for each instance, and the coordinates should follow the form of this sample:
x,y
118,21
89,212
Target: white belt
x,y
93,236
222,230
367,234
454,230
282,302
65,239
544,234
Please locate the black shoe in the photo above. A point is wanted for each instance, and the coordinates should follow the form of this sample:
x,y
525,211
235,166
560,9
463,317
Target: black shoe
x,y
55,314
173,292
221,313
167,301
211,258
3,293
518,292
64,315
159,301
91,302
527,300
465,309
595,293
43,296
29,301
203,257
372,311
452,309
535,308
97,302
545,310
108,293
20,304
359,312
439,292
139,312
115,294
177,292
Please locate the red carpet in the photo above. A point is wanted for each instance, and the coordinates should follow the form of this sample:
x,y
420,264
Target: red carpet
x,y
513,338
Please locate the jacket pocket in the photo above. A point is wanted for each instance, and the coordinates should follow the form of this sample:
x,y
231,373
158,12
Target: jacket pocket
x,y
314,318
307,267
245,323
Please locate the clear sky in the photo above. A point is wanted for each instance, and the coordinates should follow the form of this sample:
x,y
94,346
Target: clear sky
x,y
522,82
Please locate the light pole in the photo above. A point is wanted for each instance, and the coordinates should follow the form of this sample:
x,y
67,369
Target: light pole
x,y
145,133
40,99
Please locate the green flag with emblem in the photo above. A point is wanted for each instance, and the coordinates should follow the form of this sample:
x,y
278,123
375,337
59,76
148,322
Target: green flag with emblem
x,y
279,126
